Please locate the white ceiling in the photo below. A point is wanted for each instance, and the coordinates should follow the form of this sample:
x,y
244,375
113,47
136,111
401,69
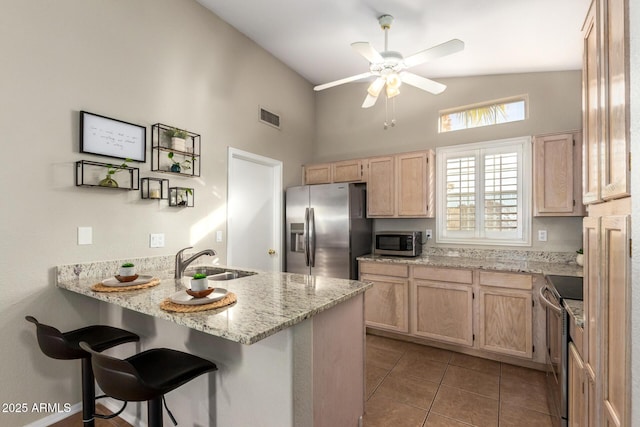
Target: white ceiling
x,y
313,37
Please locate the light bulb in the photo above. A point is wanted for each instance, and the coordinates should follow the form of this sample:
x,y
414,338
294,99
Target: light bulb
x,y
392,91
393,80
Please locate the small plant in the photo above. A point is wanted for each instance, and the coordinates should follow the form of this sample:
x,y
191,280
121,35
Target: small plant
x,y
127,264
182,198
109,181
579,251
177,166
177,133
199,276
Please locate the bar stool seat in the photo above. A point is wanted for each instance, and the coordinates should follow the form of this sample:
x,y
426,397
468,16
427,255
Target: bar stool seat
x,y
66,346
146,376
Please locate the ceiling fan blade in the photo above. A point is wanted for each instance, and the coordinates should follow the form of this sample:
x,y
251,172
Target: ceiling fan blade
x,y
375,87
446,48
365,49
342,81
422,83
369,101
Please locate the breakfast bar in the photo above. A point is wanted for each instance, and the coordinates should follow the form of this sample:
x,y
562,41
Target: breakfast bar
x,y
290,350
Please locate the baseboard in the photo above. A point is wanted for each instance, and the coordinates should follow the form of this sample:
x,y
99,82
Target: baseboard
x,y
55,417
115,405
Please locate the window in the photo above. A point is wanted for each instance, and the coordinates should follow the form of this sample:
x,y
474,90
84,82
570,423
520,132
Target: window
x,y
484,192
485,114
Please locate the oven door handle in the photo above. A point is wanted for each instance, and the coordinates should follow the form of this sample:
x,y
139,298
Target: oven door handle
x,y
548,303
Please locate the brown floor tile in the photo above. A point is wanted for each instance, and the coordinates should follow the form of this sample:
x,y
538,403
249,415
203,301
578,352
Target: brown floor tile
x,y
414,364
514,416
383,412
435,420
386,343
475,363
526,393
412,391
524,374
436,354
382,357
476,382
374,376
466,407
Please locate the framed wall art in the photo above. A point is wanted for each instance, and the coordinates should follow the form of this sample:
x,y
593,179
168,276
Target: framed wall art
x,y
112,138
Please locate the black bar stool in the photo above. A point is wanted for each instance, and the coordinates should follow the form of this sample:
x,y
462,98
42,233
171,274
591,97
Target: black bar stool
x,y
65,346
146,376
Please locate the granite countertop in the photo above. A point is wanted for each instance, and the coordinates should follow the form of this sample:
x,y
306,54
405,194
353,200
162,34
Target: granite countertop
x,y
576,309
484,263
267,302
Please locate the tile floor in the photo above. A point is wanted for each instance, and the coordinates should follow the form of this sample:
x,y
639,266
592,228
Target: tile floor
x,y
410,385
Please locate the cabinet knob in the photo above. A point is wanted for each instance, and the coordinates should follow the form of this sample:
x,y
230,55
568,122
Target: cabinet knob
x,y
272,252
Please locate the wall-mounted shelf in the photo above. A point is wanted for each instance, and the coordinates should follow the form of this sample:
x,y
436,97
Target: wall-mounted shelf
x,y
95,174
166,152
154,188
181,197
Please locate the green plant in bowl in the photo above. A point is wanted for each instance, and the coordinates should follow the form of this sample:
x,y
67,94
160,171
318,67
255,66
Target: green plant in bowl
x,y
199,276
109,181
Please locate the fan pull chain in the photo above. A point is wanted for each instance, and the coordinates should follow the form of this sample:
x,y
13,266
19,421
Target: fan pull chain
x,y
386,112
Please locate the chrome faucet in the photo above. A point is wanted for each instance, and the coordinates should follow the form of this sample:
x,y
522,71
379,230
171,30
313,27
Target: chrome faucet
x,y
181,264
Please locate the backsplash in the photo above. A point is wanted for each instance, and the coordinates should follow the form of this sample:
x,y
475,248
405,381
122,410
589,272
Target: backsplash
x,y
497,254
102,269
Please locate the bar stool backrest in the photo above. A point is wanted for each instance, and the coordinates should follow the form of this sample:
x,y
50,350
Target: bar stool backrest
x,y
53,344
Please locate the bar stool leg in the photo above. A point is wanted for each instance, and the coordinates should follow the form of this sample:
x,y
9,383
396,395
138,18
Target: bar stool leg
x,y
88,394
154,412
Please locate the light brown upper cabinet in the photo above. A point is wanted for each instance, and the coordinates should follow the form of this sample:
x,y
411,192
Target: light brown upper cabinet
x,y
401,186
606,158
557,174
344,171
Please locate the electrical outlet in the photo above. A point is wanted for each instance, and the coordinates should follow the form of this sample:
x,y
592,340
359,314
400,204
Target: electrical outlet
x,y
156,240
542,235
428,234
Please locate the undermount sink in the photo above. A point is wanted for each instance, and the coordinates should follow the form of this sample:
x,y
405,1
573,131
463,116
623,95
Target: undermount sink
x,y
217,273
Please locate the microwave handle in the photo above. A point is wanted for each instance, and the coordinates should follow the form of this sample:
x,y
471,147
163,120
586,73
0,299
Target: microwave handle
x,y
548,303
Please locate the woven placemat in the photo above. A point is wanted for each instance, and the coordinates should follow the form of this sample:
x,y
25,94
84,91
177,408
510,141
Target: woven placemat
x,y
99,287
167,305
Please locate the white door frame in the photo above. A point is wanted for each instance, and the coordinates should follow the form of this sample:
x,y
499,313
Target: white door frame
x,y
234,153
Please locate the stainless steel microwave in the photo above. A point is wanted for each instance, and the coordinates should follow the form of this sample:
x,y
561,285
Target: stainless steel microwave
x,y
398,243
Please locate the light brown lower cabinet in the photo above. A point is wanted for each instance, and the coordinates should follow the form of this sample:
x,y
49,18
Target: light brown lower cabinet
x,y
386,304
577,389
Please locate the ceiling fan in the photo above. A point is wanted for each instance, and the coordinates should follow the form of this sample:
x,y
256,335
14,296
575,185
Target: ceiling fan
x,y
389,67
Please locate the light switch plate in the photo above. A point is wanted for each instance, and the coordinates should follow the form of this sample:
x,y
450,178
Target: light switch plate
x,y
156,240
85,235
219,236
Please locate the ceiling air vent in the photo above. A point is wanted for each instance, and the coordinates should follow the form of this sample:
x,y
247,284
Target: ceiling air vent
x,y
269,118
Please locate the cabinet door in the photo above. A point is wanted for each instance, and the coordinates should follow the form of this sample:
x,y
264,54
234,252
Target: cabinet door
x,y
414,181
381,187
591,291
591,106
557,161
386,303
506,321
443,312
616,371
577,402
317,174
615,164
349,171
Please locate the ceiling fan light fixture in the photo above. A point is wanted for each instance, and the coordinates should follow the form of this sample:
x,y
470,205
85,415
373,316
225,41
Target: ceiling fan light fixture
x,y
393,81
392,91
375,87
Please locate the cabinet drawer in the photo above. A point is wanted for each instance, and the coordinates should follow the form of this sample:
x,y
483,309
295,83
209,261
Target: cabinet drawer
x,y
443,274
506,280
396,270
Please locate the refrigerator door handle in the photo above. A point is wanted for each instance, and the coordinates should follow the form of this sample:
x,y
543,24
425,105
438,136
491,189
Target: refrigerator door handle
x,y
312,238
306,236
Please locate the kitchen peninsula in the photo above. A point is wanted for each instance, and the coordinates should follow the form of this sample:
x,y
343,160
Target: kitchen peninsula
x,y
290,351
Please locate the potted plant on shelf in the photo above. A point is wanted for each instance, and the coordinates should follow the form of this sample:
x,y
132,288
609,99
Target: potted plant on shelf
x,y
178,137
579,257
182,198
177,166
109,181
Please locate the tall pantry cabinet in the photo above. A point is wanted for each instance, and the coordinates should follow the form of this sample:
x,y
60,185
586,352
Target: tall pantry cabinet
x,y
607,229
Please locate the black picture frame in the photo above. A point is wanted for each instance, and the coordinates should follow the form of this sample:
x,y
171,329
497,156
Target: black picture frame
x,y
112,138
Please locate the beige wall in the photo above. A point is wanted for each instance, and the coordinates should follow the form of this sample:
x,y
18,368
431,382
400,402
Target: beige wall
x,y
344,130
143,61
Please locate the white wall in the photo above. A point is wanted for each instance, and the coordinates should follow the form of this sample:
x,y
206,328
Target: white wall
x,y
144,61
344,130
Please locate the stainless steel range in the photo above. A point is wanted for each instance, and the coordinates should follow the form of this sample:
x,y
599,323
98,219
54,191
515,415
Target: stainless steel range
x,y
559,288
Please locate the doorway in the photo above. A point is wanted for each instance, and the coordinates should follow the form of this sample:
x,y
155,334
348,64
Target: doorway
x,y
254,211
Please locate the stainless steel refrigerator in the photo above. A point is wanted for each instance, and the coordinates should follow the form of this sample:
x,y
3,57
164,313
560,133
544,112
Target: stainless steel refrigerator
x,y
326,229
